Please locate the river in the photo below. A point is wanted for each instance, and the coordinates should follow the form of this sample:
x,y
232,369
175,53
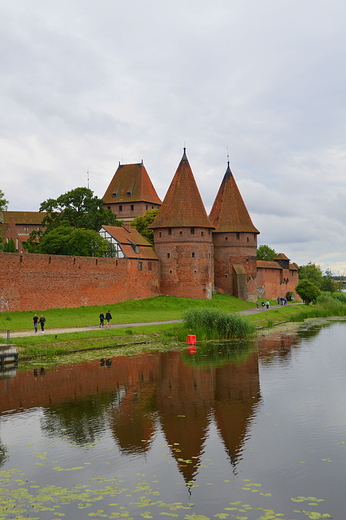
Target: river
x,y
244,430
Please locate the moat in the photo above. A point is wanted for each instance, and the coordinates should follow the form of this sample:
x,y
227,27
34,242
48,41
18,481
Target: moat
x,y
248,431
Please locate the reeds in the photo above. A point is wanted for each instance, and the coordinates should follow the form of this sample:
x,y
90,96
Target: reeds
x,y
216,324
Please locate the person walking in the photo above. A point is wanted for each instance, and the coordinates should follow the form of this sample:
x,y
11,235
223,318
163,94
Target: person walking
x,y
102,319
108,318
42,321
35,322
267,304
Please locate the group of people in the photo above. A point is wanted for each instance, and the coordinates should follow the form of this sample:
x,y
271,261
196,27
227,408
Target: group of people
x,y
42,320
39,320
108,318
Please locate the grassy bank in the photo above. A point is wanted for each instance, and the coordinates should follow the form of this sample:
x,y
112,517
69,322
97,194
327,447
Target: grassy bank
x,y
126,340
161,308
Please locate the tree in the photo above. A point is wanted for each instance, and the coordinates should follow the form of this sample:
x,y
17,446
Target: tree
x,y
78,207
307,291
9,247
141,223
3,202
65,240
266,253
328,282
311,272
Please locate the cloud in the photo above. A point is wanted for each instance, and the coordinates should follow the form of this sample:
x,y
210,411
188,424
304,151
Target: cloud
x,y
84,86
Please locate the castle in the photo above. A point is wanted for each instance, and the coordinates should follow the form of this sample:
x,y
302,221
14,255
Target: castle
x,y
199,254
195,254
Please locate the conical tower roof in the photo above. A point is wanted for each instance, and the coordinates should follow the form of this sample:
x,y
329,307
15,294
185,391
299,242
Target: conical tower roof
x,y
229,213
131,183
182,205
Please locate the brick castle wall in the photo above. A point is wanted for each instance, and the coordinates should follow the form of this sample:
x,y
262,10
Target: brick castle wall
x,y
31,282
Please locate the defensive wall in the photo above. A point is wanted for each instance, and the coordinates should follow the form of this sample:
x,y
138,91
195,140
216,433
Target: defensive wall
x,y
39,282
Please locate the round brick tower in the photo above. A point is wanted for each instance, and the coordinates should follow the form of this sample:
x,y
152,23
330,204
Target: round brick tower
x,y
183,239
235,242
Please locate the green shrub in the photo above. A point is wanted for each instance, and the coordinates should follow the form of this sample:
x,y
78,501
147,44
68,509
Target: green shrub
x,y
289,295
214,323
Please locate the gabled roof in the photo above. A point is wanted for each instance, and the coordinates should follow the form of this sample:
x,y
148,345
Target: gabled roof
x,y
281,256
131,183
24,217
182,205
128,239
229,213
267,264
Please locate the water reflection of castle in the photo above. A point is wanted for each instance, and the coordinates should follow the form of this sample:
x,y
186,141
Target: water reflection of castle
x,y
137,395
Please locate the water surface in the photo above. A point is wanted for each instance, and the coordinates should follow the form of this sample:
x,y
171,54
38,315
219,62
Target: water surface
x,y
242,431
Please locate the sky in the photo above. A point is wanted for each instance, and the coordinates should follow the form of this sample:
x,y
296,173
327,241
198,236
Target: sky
x,y
86,85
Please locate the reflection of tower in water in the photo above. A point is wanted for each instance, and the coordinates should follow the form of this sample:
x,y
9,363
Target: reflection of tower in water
x,y
237,393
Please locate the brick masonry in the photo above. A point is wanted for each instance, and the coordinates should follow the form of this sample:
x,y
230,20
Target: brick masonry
x,y
30,282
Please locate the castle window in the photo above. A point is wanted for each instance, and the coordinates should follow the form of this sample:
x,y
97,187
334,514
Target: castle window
x,y
237,236
146,207
202,233
192,231
132,207
149,266
108,207
168,255
180,233
159,234
140,266
247,239
247,260
170,231
120,208
26,229
193,255
226,238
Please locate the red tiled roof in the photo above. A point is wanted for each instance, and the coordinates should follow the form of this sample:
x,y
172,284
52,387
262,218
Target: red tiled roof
x,y
131,183
267,264
128,236
229,213
182,205
281,256
24,217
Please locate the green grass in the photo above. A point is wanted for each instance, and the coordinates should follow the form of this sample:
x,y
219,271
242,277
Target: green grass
x,y
160,308
58,344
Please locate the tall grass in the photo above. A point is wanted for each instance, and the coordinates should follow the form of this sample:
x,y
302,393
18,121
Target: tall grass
x,y
325,306
216,324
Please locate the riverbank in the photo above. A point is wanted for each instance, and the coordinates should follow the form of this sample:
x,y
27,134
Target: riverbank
x,y
128,337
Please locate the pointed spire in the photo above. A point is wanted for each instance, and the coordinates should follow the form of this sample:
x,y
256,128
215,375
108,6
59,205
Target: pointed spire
x,y
229,213
182,205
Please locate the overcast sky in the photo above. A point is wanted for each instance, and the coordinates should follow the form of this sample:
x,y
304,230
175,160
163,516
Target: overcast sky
x,y
86,84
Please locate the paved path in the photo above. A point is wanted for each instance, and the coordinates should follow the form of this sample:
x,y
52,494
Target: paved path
x,y
24,333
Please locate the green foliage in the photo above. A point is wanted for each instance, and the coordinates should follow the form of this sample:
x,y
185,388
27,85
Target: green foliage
x,y
3,202
311,272
216,324
289,295
65,240
80,209
326,306
9,246
141,223
74,217
266,253
328,283
307,291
